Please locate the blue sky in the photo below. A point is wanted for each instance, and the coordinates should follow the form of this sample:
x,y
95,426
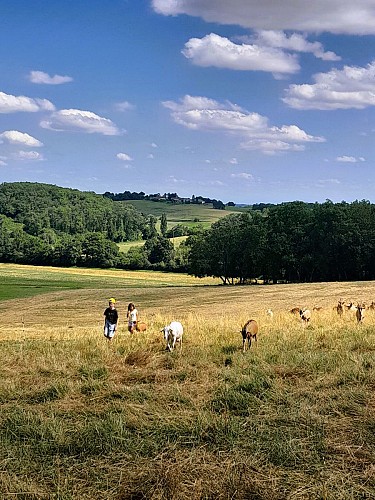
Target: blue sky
x,y
243,101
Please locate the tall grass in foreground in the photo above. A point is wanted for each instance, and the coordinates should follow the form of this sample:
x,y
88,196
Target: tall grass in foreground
x,y
81,418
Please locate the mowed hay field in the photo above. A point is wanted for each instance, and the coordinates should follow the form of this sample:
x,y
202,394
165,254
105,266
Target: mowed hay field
x,y
81,418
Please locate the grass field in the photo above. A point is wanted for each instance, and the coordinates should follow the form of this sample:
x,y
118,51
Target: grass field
x,y
80,418
182,214
125,245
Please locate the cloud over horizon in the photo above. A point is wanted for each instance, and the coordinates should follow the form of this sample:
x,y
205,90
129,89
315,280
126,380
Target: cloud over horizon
x,y
44,78
351,87
218,51
202,113
332,16
16,137
70,120
15,104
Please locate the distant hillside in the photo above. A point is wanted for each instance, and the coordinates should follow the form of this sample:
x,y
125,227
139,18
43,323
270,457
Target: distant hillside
x,y
41,207
187,214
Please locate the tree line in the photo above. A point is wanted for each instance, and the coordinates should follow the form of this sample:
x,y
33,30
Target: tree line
x,y
291,242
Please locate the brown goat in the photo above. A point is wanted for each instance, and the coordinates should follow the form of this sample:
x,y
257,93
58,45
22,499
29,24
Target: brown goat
x,y
141,327
340,307
295,311
249,331
360,313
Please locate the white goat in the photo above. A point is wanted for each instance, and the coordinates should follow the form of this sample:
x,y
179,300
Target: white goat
x,y
172,334
305,315
269,313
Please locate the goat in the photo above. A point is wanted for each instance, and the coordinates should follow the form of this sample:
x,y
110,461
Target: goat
x,y
295,310
172,334
269,313
360,313
351,307
305,315
340,307
249,331
317,308
141,327
372,305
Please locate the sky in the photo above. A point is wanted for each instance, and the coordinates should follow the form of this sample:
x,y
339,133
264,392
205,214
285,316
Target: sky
x,y
238,100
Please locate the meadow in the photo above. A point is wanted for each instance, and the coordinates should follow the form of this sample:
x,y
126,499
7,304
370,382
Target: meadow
x,y
82,418
187,214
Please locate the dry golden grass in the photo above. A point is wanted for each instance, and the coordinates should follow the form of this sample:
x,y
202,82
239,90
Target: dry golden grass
x,y
83,418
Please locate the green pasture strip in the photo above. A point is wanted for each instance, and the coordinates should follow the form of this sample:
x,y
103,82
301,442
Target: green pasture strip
x,y
17,281
184,213
125,245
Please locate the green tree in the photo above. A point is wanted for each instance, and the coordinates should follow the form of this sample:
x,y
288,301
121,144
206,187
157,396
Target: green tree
x,y
163,225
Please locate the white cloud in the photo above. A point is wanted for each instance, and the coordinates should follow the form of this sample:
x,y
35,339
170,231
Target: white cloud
x,y
45,78
29,155
13,104
201,113
350,159
214,50
124,106
15,137
153,145
233,161
351,87
81,121
295,42
335,16
3,163
150,156
243,175
124,157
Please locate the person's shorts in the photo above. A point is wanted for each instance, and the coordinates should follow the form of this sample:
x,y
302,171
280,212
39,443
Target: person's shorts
x,y
109,329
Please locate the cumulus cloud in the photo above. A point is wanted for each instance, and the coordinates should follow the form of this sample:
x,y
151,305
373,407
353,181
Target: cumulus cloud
x,y
218,51
351,87
81,121
13,104
124,157
3,163
150,156
349,159
233,161
335,16
45,78
15,137
201,113
295,42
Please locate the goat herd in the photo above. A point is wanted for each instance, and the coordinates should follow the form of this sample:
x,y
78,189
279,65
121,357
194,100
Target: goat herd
x,y
250,329
174,331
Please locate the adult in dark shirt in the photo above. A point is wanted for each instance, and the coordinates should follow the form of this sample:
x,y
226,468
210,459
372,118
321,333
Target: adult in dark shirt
x,y
111,319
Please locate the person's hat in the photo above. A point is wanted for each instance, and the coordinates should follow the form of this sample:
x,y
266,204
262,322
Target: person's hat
x,y
112,300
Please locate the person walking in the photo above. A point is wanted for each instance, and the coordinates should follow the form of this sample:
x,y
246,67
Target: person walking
x,y
111,319
132,316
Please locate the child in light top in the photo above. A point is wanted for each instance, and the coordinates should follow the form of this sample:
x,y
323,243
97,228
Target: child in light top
x,y
132,316
111,319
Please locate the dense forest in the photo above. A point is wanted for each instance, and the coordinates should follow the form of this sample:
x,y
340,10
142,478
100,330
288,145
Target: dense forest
x,y
45,224
290,242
